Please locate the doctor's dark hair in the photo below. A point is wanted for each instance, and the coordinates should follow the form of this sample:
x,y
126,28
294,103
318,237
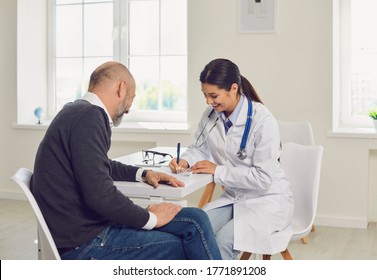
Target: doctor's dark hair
x,y
223,73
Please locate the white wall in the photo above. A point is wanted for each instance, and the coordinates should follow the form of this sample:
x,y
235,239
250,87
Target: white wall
x,y
291,70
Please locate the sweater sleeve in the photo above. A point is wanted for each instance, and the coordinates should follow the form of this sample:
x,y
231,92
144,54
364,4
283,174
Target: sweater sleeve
x,y
89,144
123,172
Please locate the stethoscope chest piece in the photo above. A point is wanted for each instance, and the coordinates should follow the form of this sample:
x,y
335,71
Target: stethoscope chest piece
x,y
241,154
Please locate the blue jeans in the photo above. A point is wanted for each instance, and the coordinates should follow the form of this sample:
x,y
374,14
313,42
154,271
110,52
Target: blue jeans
x,y
223,225
188,236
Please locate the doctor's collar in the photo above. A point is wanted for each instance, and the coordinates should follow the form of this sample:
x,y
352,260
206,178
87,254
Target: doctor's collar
x,y
234,115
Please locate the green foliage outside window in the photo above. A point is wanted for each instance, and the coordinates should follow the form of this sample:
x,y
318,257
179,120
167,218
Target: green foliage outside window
x,y
147,96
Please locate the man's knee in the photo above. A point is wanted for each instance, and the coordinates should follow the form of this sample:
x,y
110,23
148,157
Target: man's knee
x,y
194,213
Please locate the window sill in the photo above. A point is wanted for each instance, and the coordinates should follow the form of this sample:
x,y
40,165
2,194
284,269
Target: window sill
x,y
129,127
153,127
357,133
29,126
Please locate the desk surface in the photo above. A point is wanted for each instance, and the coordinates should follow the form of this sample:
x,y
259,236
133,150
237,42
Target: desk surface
x,y
193,182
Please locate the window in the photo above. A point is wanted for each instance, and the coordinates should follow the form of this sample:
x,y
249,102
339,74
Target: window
x,y
157,57
149,36
80,40
355,62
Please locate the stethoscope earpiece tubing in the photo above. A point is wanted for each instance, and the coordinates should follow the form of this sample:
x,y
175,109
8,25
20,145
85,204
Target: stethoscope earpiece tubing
x,y
241,154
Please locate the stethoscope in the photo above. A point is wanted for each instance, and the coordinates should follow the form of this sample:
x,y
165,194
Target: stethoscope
x,y
201,133
241,154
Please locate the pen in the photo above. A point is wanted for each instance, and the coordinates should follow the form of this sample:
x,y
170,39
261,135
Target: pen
x,y
178,151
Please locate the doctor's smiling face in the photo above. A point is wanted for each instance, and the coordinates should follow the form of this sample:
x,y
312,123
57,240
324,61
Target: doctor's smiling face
x,y
220,99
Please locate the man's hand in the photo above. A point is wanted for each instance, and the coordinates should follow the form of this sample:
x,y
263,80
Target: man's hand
x,y
153,178
165,212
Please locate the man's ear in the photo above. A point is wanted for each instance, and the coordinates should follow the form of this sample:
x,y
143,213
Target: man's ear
x,y
120,86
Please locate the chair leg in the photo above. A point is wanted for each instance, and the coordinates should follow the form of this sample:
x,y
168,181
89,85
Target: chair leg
x,y
304,240
286,255
245,256
207,195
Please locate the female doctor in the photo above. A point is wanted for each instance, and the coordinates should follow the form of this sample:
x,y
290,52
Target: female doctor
x,y
238,142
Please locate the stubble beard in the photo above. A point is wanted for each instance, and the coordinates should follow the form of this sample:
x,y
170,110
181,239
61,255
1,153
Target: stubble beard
x,y
122,110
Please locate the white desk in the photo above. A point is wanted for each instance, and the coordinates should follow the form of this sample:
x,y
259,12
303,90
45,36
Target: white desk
x,y
144,194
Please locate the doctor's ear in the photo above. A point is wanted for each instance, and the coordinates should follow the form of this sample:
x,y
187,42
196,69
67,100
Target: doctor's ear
x,y
234,87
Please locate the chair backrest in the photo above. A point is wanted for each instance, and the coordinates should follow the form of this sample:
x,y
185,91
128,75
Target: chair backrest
x,y
45,242
299,132
302,166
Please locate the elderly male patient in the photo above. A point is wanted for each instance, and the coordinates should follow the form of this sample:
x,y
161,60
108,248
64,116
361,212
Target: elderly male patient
x,y
73,185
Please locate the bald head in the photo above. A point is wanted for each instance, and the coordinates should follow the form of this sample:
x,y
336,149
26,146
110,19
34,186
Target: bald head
x,y
113,83
108,73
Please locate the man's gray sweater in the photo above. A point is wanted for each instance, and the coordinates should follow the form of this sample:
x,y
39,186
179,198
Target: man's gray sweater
x,y
73,177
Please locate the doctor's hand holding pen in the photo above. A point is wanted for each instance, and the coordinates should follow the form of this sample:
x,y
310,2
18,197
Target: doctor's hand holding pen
x,y
179,167
204,166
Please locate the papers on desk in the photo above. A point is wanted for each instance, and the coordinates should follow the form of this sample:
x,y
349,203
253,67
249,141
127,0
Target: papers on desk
x,y
185,173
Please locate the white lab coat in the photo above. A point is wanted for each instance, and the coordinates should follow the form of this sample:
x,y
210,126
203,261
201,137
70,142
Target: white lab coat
x,y
256,186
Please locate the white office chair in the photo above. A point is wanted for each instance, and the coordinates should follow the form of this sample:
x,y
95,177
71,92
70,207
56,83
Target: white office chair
x,y
46,244
302,165
299,132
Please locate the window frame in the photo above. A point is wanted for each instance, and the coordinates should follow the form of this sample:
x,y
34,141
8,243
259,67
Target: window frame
x,y
342,114
120,53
